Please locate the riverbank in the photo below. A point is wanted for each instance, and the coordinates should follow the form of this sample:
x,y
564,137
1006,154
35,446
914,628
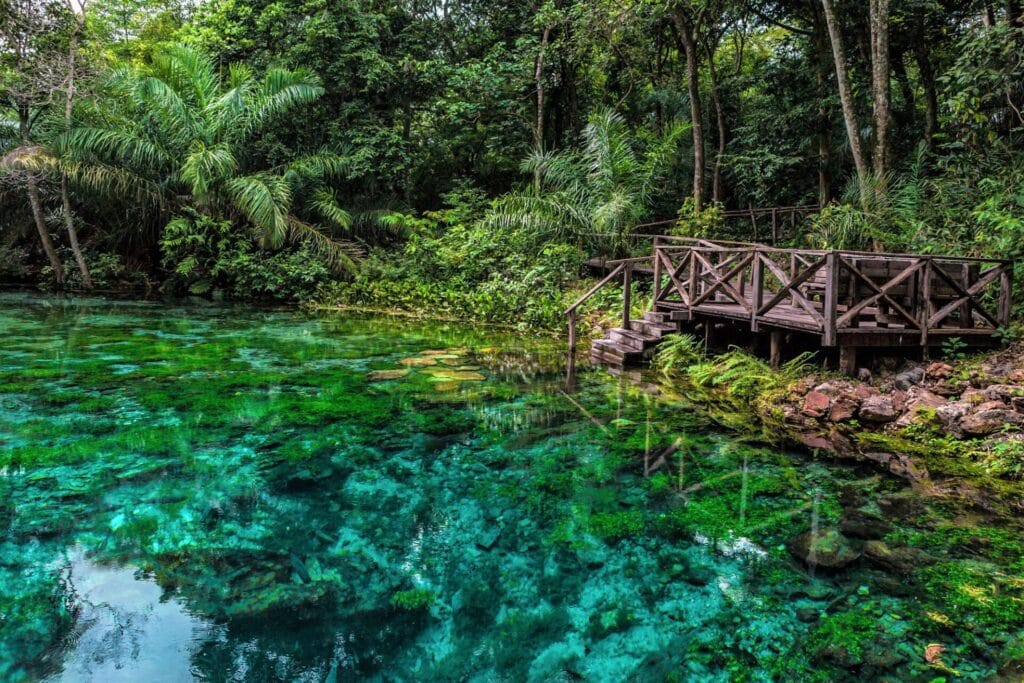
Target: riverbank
x,y
957,424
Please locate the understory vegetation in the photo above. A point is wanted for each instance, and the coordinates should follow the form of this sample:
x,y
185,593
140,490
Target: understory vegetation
x,y
464,160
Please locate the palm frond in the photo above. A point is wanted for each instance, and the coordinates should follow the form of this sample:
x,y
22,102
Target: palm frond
x,y
265,201
326,204
205,166
342,255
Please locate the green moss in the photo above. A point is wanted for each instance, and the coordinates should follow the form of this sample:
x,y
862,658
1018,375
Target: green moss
x,y
851,631
975,596
614,526
414,599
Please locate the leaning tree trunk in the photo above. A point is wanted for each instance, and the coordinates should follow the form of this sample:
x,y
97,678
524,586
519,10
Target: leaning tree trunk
x,y
69,218
685,29
36,203
44,232
846,95
879,11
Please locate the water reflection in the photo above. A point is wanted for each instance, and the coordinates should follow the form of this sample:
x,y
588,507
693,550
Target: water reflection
x,y
126,627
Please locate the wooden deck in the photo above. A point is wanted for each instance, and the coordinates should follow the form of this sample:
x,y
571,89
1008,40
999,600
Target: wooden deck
x,y
846,299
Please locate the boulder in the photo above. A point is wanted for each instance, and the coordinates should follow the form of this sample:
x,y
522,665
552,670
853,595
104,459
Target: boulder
x,y
816,404
843,408
825,548
951,413
1017,403
878,409
948,389
912,377
990,420
919,398
863,374
863,391
1002,392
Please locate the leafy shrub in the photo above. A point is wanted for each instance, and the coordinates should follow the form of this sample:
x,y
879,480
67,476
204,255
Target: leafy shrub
x,y
208,256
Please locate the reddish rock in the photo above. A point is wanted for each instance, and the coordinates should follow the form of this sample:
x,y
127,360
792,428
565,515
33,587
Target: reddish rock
x,y
864,391
919,399
899,399
1002,392
990,421
1017,403
937,371
878,409
902,466
843,408
832,442
948,389
1017,377
816,404
950,415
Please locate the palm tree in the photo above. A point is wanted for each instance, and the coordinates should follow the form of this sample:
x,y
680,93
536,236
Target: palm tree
x,y
175,134
597,194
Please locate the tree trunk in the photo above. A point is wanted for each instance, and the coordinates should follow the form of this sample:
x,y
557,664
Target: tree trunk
x,y
823,59
931,100
538,77
716,97
846,94
69,219
685,27
879,11
25,126
44,232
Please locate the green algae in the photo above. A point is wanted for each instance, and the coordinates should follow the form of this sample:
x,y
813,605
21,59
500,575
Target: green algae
x,y
308,516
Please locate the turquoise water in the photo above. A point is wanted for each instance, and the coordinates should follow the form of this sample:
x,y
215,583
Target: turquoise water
x,y
221,493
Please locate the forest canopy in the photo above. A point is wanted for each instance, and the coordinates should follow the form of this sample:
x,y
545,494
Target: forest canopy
x,y
464,155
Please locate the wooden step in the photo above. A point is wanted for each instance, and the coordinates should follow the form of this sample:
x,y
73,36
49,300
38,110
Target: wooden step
x,y
637,341
657,316
653,329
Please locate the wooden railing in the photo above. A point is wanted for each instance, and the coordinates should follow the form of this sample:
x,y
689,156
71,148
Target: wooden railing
x,y
834,293
621,269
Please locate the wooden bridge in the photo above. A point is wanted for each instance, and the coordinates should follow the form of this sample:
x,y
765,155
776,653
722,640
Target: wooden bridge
x,y
844,299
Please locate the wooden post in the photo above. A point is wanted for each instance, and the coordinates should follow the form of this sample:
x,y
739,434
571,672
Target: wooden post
x,y
753,221
572,332
831,297
757,285
692,284
627,285
968,276
775,352
657,272
848,360
926,300
1005,292
775,226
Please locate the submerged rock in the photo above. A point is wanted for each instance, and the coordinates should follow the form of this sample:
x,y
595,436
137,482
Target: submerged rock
x,y
897,559
825,548
865,525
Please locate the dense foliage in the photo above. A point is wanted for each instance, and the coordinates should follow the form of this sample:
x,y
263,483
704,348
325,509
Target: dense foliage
x,y
461,157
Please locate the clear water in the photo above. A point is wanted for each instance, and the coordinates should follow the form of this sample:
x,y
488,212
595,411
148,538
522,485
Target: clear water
x,y
222,493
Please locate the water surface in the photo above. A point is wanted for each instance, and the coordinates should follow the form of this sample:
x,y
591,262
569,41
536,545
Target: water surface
x,y
219,493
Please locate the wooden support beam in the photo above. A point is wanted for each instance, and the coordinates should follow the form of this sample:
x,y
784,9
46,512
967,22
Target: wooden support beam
x,y
848,360
627,293
775,352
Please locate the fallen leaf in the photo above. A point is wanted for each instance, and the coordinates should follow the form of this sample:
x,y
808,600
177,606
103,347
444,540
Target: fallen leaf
x,y
933,653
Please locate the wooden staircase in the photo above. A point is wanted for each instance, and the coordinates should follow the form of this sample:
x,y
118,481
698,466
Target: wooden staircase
x,y
624,347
